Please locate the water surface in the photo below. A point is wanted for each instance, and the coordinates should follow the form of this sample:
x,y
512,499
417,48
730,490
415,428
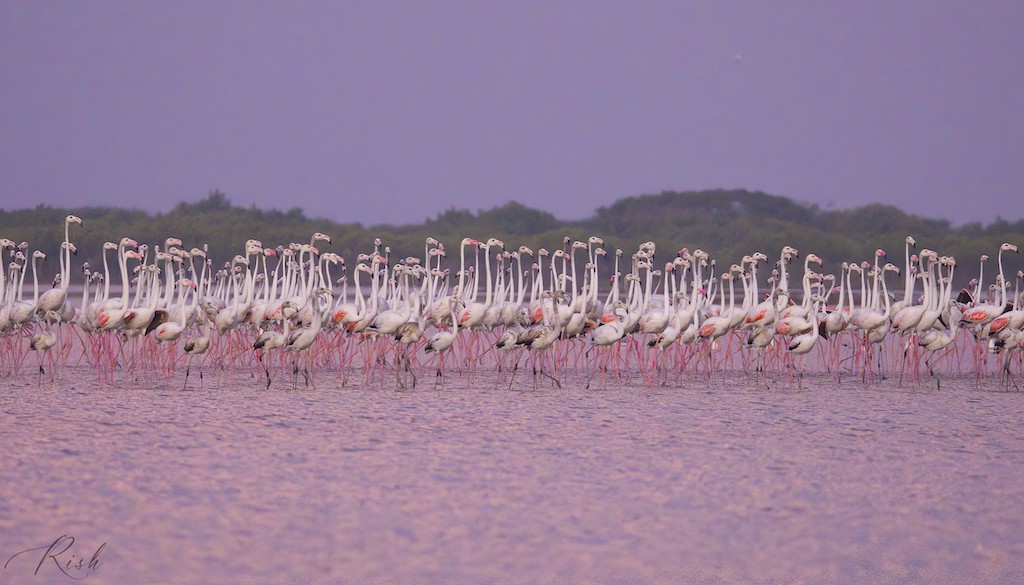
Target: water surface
x,y
724,481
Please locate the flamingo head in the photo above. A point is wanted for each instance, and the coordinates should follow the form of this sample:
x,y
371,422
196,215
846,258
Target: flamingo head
x,y
73,219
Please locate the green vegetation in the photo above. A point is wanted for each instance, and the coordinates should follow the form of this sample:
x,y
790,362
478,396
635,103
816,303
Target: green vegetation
x,y
726,223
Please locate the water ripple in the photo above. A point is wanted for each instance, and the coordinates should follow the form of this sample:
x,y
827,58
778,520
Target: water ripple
x,y
726,482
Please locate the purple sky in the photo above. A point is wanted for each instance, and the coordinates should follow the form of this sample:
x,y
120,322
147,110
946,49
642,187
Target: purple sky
x,y
392,111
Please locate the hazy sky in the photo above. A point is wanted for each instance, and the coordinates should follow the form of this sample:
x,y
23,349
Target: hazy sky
x,y
378,111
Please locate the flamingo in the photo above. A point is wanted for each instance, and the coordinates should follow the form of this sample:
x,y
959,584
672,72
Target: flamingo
x,y
908,283
872,319
53,299
937,339
170,331
836,321
197,345
674,328
302,339
907,317
803,343
764,312
1014,318
655,319
546,335
42,342
610,332
716,326
111,312
22,312
940,296
473,315
983,314
443,340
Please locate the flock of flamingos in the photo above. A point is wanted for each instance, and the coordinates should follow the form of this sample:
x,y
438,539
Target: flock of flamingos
x,y
294,309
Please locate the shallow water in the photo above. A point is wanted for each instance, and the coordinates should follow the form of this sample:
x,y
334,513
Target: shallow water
x,y
725,481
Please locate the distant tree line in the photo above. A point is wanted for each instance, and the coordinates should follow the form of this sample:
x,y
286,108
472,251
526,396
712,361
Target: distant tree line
x,y
726,223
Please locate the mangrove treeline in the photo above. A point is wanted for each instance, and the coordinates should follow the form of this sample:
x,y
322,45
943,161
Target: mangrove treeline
x,y
726,223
